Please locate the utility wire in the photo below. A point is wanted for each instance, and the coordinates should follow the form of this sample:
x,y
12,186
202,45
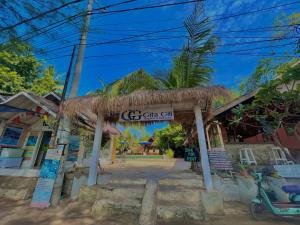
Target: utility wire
x,y
224,52
39,15
121,40
70,18
144,7
140,8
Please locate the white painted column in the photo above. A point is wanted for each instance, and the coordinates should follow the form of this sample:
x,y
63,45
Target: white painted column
x,y
220,136
92,179
203,149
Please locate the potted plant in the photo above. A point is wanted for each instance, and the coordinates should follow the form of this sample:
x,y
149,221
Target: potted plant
x,y
243,169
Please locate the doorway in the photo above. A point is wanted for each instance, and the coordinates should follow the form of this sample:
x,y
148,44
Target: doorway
x,y
43,149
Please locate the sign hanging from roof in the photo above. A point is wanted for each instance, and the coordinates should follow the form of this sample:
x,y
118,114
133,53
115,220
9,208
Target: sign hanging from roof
x,y
147,115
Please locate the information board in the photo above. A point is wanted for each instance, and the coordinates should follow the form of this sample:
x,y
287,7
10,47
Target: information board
x,y
191,155
43,190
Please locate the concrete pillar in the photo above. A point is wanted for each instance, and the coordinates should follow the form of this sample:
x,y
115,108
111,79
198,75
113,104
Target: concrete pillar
x,y
220,136
92,179
203,149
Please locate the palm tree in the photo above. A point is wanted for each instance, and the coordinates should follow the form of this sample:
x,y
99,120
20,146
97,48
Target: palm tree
x,y
138,80
190,69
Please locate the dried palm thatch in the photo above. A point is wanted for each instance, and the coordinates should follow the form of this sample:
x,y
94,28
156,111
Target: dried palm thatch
x,y
109,105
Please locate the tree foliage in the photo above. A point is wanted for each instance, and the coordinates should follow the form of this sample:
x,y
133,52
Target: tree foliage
x,y
221,100
289,27
21,71
172,136
278,99
191,68
138,80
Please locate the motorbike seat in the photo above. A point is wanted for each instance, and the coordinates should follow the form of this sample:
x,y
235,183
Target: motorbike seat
x,y
291,189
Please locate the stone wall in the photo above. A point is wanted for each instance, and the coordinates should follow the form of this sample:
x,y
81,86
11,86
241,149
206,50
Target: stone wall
x,y
17,188
260,151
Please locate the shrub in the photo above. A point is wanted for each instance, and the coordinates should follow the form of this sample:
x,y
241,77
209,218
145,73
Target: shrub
x,y
170,153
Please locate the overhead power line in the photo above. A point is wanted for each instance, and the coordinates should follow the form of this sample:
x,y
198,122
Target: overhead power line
x,y
144,7
159,49
255,11
66,20
140,8
40,15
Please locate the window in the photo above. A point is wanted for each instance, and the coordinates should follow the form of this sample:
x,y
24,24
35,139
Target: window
x,y
11,136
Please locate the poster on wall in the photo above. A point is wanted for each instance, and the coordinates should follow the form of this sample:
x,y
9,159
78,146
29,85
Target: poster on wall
x,y
30,147
50,168
11,136
74,143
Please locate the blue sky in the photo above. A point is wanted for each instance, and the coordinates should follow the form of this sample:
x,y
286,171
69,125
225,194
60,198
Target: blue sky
x,y
229,69
120,59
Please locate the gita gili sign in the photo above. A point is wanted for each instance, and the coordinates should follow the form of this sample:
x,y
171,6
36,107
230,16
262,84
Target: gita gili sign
x,y
154,114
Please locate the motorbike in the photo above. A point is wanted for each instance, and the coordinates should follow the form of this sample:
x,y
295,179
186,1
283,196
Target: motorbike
x,y
263,204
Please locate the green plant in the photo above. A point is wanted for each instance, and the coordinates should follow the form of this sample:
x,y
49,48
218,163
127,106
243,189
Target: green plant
x,y
172,136
243,167
170,153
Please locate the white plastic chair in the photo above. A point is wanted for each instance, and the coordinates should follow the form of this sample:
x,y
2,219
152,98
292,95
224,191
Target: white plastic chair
x,y
278,156
247,156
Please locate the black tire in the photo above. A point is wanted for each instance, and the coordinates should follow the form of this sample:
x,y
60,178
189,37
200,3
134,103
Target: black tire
x,y
257,211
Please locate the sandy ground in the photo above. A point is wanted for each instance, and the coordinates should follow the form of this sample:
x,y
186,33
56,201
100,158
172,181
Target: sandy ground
x,y
19,213
147,168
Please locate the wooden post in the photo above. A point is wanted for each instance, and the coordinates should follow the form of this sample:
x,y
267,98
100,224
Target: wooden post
x,y
203,149
92,179
220,136
113,150
207,136
81,152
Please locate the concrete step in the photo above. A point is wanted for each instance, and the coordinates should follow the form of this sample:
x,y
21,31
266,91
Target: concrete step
x,y
172,210
186,195
235,208
121,191
77,208
106,207
197,183
137,181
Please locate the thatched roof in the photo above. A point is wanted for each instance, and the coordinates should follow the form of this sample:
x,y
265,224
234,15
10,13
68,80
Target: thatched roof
x,y
141,99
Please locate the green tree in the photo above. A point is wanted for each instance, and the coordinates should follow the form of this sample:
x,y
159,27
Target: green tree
x,y
21,71
191,68
138,80
221,100
277,102
172,136
289,27
45,83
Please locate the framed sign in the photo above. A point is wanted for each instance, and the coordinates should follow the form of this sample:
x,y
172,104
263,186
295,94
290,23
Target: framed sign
x,y
155,114
191,155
